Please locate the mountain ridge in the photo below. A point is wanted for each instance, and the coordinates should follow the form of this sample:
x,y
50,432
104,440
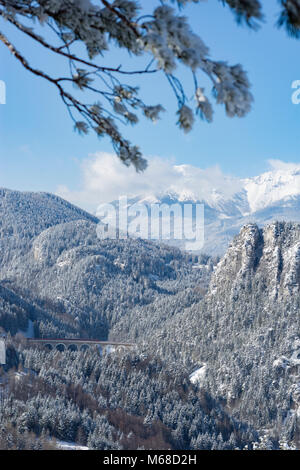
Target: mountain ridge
x,y
271,196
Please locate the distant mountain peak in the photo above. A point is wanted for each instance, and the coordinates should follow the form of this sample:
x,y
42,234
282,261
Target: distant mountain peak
x,y
270,187
273,195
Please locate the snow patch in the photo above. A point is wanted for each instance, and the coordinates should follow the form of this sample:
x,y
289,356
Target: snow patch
x,y
64,445
198,374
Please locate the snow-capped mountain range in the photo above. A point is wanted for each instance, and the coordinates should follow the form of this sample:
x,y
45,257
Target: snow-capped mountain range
x,y
272,187
274,195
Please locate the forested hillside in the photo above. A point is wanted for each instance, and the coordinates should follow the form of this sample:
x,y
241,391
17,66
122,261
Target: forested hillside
x,y
83,286
245,335
234,325
111,402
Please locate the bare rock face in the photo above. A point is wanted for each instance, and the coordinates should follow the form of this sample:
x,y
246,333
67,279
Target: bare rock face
x,y
262,261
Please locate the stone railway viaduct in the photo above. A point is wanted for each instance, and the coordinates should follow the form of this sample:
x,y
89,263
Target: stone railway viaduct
x,y
77,344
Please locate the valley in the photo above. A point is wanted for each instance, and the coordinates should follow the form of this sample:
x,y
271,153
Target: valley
x,y
215,363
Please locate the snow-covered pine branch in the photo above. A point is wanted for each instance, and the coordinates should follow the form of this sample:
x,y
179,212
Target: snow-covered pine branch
x,y
161,34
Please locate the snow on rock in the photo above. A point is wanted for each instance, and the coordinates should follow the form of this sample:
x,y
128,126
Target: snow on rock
x,y
268,256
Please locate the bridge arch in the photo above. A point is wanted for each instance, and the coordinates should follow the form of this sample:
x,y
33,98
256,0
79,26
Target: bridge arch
x,y
60,347
72,347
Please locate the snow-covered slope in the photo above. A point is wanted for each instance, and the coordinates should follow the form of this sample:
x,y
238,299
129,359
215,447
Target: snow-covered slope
x,y
271,187
243,339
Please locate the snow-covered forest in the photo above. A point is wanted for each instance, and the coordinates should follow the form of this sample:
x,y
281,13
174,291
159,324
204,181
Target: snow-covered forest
x,y
213,361
216,359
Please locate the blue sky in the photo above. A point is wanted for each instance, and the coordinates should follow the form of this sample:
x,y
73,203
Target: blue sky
x,y
40,151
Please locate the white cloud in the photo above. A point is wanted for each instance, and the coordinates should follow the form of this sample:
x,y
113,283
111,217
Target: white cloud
x,y
105,178
279,165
